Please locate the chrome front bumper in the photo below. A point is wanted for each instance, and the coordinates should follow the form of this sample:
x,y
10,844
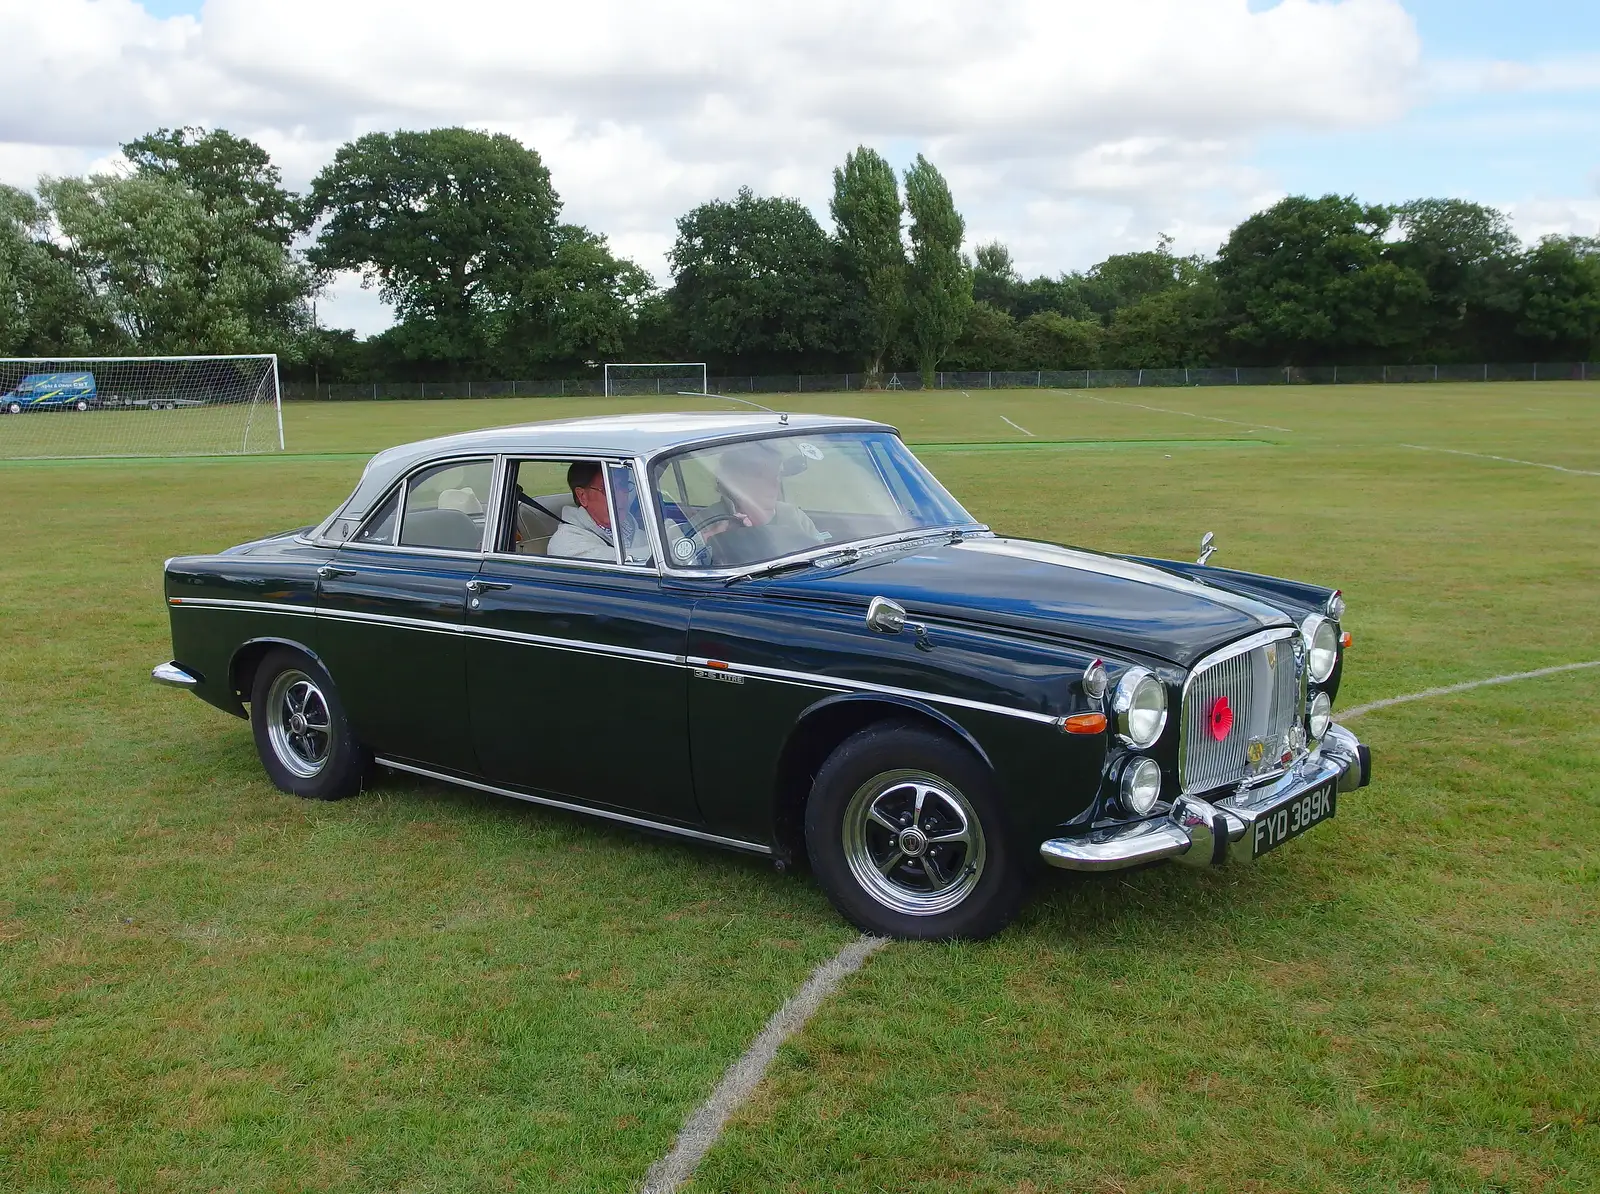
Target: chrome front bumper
x,y
1199,833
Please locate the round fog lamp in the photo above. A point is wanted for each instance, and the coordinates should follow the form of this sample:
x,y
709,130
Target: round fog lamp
x,y
1141,786
1319,716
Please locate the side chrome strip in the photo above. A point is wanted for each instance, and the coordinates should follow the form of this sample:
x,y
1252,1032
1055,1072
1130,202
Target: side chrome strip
x,y
777,675
578,645
265,607
434,627
841,684
607,814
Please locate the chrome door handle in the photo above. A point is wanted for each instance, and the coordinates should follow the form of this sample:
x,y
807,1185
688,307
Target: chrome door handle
x,y
328,572
476,586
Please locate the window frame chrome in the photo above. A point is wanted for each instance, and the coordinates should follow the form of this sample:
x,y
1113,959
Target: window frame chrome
x,y
503,482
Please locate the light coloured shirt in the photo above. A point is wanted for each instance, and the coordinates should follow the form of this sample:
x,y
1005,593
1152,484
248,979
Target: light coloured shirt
x,y
579,537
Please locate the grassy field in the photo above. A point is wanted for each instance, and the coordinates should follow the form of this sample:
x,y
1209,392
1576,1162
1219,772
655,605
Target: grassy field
x,y
207,985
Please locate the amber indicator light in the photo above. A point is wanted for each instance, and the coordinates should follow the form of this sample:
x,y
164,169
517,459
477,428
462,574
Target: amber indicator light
x,y
1085,723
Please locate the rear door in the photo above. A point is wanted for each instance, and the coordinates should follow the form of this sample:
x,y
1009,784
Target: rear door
x,y
391,603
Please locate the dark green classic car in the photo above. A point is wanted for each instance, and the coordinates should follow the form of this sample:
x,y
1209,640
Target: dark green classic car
x,y
780,634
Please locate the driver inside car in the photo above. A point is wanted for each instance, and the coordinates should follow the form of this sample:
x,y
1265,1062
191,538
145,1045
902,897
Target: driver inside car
x,y
752,521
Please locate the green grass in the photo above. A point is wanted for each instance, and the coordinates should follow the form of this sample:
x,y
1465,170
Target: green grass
x,y
207,985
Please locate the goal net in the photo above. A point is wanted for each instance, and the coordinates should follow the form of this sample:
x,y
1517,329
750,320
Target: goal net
x,y
139,406
656,377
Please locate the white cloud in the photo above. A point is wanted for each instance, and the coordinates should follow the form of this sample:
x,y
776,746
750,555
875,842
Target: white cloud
x,y
1069,128
1535,218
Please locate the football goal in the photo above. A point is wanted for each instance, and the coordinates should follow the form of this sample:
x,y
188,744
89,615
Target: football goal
x,y
68,407
655,377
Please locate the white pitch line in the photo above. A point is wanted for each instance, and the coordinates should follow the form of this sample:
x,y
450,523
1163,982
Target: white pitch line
x,y
701,1130
1168,411
1560,468
1450,688
1018,426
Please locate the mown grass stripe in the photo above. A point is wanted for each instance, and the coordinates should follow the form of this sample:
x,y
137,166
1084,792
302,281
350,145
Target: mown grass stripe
x,y
1370,706
743,1076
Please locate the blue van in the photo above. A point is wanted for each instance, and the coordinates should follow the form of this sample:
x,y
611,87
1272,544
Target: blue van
x,y
51,391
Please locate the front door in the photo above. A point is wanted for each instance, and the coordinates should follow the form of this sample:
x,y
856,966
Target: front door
x,y
391,603
575,666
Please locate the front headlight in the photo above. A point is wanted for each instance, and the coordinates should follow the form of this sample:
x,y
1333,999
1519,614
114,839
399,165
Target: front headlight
x,y
1141,786
1319,716
1322,646
1140,706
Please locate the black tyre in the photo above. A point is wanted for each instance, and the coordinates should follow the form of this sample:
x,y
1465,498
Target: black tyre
x,y
907,837
15,408
80,406
301,731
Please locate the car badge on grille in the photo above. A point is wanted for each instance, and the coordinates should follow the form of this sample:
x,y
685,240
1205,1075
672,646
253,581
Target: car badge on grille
x,y
1256,751
1272,655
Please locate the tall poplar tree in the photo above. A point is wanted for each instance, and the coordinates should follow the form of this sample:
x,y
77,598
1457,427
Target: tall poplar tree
x,y
939,290
867,214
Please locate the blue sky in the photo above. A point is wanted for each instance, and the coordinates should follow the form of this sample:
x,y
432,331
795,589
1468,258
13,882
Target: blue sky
x,y
1495,147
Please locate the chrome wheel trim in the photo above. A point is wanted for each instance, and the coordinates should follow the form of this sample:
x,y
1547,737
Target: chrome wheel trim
x,y
298,724
913,842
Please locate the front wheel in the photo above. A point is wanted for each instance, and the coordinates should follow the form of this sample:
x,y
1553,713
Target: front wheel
x,y
80,406
301,731
14,408
907,837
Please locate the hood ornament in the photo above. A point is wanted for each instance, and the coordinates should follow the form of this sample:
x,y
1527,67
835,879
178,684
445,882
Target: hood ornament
x,y
1207,546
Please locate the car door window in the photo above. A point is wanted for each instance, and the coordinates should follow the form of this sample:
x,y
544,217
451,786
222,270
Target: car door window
x,y
445,506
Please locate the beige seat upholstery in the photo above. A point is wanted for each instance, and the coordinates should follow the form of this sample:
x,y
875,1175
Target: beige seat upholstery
x,y
535,526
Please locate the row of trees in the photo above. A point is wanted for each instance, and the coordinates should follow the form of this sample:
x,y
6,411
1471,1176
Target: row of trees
x,y
200,248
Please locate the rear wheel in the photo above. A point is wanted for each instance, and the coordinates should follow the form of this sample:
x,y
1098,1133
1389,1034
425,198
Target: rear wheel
x,y
907,837
80,405
301,731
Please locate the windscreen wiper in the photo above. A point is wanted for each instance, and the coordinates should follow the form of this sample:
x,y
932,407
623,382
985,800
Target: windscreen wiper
x,y
827,559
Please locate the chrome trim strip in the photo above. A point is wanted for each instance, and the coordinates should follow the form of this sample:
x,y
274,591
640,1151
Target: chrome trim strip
x,y
577,645
268,607
561,644
607,814
779,675
839,683
571,562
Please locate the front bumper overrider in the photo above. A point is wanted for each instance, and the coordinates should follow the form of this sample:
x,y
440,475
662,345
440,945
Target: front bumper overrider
x,y
1200,833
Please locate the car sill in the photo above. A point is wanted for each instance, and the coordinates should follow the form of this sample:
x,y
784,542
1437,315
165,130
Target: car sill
x,y
640,822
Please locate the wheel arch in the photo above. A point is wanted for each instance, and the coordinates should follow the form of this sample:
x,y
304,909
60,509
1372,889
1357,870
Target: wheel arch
x,y
247,658
817,734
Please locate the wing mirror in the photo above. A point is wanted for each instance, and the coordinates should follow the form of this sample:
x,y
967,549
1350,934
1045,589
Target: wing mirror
x,y
1207,546
889,617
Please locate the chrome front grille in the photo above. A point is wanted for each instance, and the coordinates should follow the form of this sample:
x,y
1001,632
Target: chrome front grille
x,y
1262,680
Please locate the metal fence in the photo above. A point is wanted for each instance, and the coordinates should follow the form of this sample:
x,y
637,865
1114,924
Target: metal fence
x,y
966,381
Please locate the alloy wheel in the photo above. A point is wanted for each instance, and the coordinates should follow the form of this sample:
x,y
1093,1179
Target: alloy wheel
x,y
913,842
298,724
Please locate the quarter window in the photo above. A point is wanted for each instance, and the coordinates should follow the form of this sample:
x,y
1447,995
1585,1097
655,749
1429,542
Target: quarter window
x,y
379,527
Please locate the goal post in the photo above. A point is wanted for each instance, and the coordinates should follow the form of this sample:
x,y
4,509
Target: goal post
x,y
654,377
68,407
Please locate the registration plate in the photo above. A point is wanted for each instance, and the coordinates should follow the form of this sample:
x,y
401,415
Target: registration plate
x,y
1292,818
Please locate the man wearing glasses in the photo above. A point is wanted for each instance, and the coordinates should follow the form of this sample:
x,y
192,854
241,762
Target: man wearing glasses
x,y
585,532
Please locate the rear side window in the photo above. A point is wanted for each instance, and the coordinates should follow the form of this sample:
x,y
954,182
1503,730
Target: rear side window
x,y
445,506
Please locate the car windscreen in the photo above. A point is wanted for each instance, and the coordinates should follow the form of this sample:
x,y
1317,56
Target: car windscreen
x,y
734,505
